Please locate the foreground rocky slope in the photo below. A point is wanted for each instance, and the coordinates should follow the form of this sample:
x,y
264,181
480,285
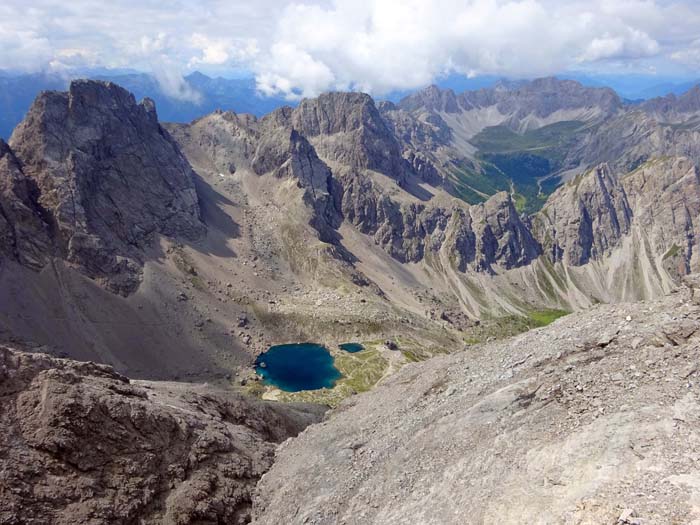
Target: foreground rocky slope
x,y
82,444
594,419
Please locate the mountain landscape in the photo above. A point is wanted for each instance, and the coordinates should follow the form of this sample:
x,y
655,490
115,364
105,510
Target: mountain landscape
x,y
430,230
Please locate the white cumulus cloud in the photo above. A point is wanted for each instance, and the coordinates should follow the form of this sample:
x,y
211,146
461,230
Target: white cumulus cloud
x,y
301,47
380,45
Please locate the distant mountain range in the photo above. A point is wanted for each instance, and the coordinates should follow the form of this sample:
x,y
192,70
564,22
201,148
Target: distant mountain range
x,y
18,91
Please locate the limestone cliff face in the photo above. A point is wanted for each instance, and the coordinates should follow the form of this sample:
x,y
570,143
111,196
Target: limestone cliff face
x,y
476,237
586,218
292,156
503,236
665,198
633,137
108,176
657,206
347,128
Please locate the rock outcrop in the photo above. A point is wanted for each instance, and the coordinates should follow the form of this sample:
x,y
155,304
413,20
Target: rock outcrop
x,y
593,419
107,177
82,444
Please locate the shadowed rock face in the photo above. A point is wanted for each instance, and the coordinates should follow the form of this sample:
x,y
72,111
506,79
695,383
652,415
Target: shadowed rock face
x,y
79,443
349,130
108,177
588,217
478,236
24,235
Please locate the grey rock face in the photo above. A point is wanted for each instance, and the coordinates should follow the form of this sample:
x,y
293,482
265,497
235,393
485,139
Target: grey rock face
x,y
629,139
476,237
297,159
109,177
665,197
80,443
586,218
347,128
595,213
504,238
544,96
673,108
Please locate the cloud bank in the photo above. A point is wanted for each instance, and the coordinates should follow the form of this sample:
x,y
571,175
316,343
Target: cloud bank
x,y
302,47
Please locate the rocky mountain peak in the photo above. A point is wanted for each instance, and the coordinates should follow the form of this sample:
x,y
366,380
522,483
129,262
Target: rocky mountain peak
x,y
540,97
544,96
336,112
432,98
109,177
366,143
671,106
586,218
689,102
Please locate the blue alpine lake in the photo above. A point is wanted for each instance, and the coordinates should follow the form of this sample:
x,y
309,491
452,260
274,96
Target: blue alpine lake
x,y
351,347
295,367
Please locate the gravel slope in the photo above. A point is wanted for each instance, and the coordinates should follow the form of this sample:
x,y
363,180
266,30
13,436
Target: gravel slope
x,y
592,418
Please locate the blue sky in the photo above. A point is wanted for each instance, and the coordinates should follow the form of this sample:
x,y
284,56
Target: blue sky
x,y
303,47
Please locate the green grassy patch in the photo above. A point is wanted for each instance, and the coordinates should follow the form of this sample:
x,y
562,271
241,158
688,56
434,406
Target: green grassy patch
x,y
549,141
497,328
183,263
672,252
475,184
517,161
545,317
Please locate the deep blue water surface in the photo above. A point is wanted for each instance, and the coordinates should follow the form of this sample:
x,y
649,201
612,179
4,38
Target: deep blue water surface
x,y
351,347
294,367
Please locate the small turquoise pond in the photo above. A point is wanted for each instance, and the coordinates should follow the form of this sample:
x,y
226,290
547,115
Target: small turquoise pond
x,y
295,367
351,347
